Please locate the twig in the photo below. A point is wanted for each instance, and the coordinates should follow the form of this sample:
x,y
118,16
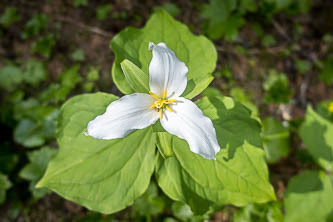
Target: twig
x,y
85,27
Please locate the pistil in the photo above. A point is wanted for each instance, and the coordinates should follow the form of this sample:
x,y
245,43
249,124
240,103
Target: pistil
x,y
161,103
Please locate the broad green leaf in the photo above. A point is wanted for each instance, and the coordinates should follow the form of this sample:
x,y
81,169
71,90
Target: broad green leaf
x,y
9,16
35,25
308,197
316,133
34,72
241,96
277,88
171,8
34,170
5,184
10,76
239,174
276,140
103,11
78,55
44,45
102,175
197,52
136,78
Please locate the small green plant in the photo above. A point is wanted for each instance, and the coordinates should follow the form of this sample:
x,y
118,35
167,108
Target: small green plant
x,y
9,16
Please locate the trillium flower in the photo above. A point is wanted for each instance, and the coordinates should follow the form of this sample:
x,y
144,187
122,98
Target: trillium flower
x,y
178,116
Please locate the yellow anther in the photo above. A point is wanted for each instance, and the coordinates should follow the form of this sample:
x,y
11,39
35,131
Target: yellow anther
x,y
160,113
168,108
153,95
161,103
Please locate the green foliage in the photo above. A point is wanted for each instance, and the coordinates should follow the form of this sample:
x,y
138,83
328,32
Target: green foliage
x,y
276,140
78,55
239,174
270,212
316,133
10,76
240,95
78,3
268,40
92,77
9,16
150,203
171,8
34,72
35,25
184,213
5,184
308,197
136,78
36,168
302,66
76,172
132,44
277,88
103,11
220,20
68,80
326,74
44,45
36,123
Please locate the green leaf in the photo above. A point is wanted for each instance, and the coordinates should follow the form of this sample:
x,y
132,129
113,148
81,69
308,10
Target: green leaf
x,y
308,197
197,52
303,66
276,140
150,203
102,12
5,184
78,55
9,16
35,25
34,170
241,96
10,76
171,8
277,88
218,11
316,133
326,75
44,45
136,78
34,72
78,3
239,174
270,212
102,175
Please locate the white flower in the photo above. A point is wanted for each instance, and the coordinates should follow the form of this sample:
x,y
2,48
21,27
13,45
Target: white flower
x,y
178,116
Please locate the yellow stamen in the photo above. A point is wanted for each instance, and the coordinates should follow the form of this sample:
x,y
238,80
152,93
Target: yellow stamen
x,y
161,103
168,108
160,113
153,95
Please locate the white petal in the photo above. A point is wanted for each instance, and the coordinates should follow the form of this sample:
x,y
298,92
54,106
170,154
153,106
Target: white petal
x,y
166,71
123,116
189,123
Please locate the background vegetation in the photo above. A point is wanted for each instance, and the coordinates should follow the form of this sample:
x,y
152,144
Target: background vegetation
x,y
275,56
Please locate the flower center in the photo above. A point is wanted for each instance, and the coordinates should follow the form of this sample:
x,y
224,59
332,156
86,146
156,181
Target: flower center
x,y
161,103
